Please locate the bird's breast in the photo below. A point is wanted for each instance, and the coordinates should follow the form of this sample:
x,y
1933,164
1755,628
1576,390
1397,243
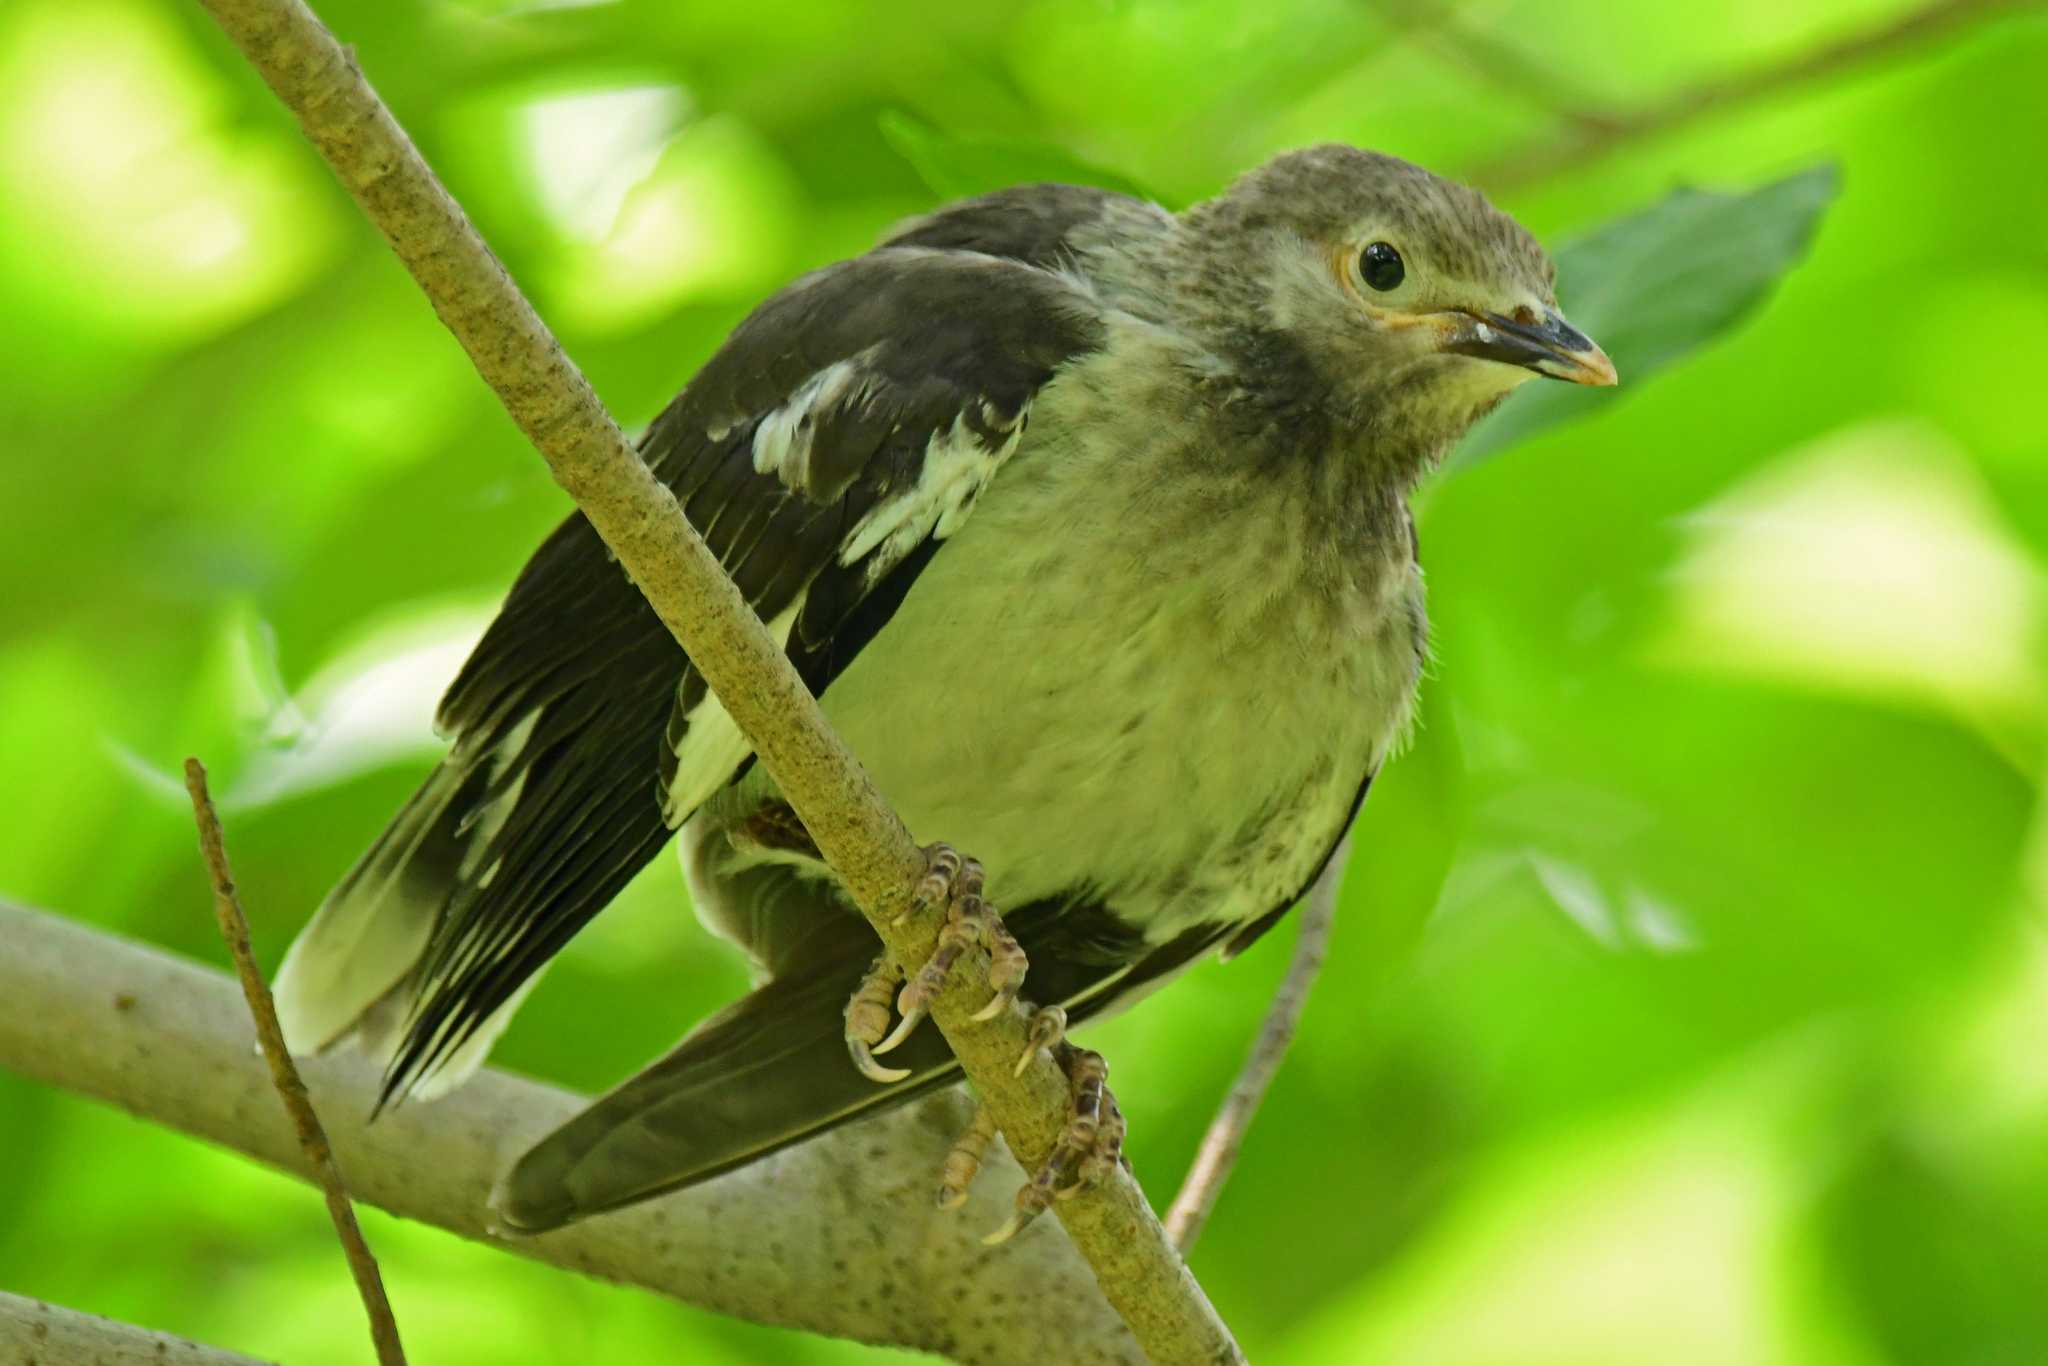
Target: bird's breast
x,y
1133,673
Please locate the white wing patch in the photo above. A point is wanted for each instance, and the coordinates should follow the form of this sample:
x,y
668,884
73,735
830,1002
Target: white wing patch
x,y
782,443
713,746
958,465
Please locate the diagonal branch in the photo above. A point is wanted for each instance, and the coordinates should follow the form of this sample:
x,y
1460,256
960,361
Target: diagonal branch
x,y
1136,1265
821,1237
284,1075
1218,1153
1594,133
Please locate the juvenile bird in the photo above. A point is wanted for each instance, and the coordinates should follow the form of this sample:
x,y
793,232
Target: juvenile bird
x,y
1087,524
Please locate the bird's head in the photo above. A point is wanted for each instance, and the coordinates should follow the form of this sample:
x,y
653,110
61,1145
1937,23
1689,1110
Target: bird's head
x,y
1417,304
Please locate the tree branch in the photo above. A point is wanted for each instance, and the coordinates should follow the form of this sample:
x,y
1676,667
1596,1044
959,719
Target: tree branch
x,y
1218,1153
46,1335
1135,1264
1594,133
284,1075
836,1236
1440,26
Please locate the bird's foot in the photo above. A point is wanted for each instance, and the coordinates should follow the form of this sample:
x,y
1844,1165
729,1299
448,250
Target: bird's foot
x,y
1091,1146
954,883
1047,1029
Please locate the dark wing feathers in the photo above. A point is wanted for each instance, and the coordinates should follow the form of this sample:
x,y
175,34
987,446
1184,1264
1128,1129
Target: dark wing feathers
x,y
771,1070
572,706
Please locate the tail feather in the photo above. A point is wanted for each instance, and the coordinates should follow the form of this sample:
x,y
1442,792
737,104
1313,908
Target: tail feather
x,y
384,1037
369,933
768,1071
363,969
544,809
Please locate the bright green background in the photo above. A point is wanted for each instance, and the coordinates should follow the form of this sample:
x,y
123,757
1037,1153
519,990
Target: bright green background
x,y
1690,999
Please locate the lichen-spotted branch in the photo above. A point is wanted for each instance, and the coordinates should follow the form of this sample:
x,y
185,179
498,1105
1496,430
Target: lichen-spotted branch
x,y
820,1237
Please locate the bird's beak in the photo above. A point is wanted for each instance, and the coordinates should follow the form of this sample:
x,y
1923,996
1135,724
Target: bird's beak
x,y
1550,347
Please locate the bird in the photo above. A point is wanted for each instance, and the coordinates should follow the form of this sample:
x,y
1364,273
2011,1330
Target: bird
x,y
1088,525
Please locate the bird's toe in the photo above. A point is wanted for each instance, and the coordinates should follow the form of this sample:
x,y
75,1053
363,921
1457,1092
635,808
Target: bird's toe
x,y
955,883
867,1020
1090,1148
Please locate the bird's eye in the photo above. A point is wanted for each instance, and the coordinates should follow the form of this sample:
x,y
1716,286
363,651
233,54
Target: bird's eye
x,y
1379,265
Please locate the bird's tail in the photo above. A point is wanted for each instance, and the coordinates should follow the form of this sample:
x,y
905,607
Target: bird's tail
x,y
353,973
768,1071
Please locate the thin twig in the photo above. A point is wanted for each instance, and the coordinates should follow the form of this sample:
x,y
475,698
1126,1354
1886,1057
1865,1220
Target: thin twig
x,y
638,518
1596,134
1218,1153
1440,26
234,929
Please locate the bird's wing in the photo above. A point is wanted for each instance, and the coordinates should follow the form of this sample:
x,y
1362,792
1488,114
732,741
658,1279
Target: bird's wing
x,y
835,441
771,1069
1036,224
899,388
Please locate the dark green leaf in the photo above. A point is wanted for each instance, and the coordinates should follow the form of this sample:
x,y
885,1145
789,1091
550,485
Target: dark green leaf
x,y
1657,285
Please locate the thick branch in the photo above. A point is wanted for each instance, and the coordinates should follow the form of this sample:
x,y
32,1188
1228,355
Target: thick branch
x,y
31,1331
836,1236
1594,134
1135,1264
1218,1153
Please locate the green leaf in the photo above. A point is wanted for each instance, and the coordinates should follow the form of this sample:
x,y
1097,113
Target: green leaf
x,y
1655,286
958,167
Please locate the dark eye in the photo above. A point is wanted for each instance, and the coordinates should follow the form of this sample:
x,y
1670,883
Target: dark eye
x,y
1380,266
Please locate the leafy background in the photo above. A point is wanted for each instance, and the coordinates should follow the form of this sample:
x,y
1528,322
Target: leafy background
x,y
1689,995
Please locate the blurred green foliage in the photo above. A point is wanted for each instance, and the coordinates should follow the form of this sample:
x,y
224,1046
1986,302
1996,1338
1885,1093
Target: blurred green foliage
x,y
1689,996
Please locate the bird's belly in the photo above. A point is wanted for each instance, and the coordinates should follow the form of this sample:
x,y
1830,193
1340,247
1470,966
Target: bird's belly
x,y
1180,731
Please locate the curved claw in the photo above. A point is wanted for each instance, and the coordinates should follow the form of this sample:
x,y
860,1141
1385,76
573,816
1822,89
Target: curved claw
x,y
1012,1226
912,1018
867,1019
997,1004
864,1062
